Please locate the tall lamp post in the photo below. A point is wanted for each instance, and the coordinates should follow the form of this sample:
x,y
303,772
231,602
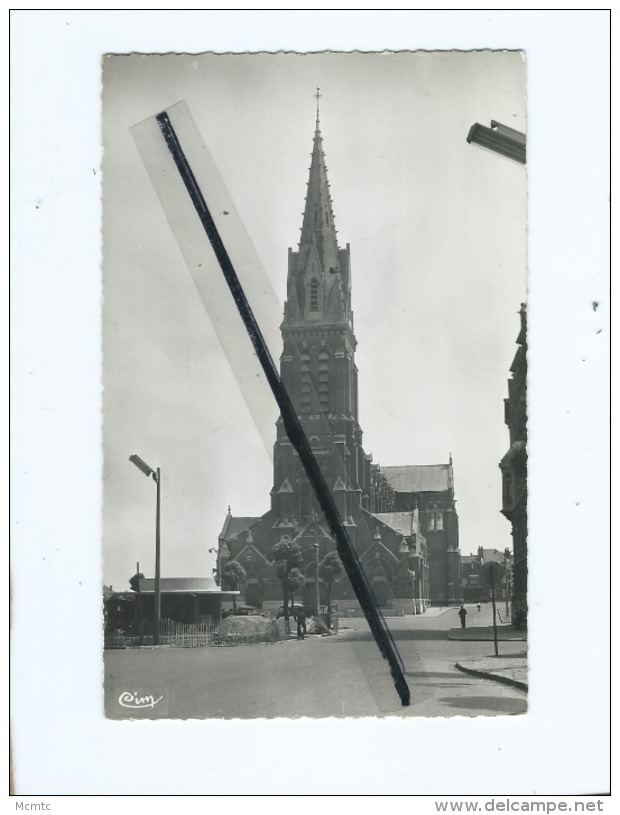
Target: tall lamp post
x,y
412,573
221,551
506,563
491,578
404,550
318,589
317,552
156,475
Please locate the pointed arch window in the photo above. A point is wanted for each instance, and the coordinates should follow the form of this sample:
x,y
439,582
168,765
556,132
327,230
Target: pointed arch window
x,y
324,381
314,294
305,384
435,521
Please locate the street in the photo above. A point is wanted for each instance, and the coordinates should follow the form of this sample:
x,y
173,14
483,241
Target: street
x,y
342,675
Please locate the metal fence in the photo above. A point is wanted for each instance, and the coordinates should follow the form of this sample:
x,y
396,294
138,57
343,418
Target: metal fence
x,y
179,635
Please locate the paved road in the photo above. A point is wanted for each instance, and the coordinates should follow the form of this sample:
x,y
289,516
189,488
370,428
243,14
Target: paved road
x,y
343,675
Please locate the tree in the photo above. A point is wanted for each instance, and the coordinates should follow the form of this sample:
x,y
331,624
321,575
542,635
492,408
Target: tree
x,y
286,556
134,585
134,582
329,569
296,579
233,575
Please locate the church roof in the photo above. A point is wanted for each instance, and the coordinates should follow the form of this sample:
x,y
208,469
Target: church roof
x,y
419,477
493,555
234,525
401,522
184,585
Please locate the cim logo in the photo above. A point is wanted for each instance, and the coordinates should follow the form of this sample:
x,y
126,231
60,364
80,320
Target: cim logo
x,y
136,701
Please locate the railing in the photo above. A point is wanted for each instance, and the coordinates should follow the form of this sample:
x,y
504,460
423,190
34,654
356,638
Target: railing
x,y
172,633
186,635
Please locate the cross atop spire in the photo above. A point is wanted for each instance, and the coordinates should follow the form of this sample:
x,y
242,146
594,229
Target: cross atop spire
x,y
318,95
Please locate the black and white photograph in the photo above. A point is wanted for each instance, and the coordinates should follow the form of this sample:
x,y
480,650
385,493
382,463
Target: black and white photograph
x,y
374,207
309,450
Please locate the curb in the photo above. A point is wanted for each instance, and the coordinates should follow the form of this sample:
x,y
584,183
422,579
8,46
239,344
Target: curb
x,y
485,639
455,634
504,680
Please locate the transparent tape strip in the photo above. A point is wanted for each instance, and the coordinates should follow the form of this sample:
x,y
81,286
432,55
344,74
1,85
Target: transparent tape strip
x,y
202,263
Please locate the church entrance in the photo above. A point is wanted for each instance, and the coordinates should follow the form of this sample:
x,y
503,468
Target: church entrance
x,y
253,593
381,590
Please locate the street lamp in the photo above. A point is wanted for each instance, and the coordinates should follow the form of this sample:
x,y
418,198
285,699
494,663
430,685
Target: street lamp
x,y
318,589
412,573
222,551
506,563
404,550
500,138
317,552
156,474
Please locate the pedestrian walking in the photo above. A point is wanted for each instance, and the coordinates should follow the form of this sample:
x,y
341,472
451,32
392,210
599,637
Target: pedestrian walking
x,y
479,606
300,618
462,615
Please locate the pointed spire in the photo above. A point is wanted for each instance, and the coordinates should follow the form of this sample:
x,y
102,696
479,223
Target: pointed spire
x,y
319,282
318,224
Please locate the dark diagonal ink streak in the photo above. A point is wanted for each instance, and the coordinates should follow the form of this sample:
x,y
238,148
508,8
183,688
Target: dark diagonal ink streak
x,y
292,424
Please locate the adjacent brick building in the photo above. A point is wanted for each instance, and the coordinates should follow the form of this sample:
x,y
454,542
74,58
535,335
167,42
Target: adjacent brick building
x,y
514,471
476,588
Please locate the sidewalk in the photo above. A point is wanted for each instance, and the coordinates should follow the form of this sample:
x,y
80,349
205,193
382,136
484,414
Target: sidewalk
x,y
436,611
511,669
482,633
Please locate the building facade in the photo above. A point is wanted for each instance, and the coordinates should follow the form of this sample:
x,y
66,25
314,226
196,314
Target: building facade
x,y
406,536
182,600
514,472
429,490
474,577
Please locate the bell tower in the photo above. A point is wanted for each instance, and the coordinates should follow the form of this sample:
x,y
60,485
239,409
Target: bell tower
x,y
317,364
380,506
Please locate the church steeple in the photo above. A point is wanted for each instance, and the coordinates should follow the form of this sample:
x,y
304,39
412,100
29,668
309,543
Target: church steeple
x,y
318,278
318,228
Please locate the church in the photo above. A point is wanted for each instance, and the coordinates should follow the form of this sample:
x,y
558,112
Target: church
x,y
401,520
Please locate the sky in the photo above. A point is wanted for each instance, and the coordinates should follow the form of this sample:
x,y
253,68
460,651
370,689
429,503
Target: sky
x,y
438,245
